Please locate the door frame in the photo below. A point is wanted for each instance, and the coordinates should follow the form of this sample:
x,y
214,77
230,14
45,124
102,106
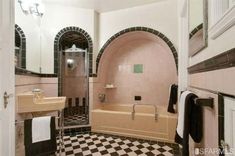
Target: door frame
x,y
8,24
221,118
89,64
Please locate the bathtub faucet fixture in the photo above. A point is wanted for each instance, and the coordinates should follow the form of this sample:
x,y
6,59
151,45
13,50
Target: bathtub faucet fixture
x,y
155,111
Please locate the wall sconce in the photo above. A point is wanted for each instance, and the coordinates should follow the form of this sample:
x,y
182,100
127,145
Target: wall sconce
x,y
34,7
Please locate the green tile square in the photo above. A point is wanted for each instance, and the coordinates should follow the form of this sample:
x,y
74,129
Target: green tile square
x,y
138,68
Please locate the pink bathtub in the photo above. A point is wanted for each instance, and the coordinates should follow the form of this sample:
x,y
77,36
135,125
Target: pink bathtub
x,y
146,123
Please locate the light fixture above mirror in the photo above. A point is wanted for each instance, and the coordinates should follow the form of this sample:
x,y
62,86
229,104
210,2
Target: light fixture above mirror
x,y
34,7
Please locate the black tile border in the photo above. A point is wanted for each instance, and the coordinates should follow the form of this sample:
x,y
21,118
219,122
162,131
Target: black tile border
x,y
138,28
58,55
79,130
221,61
195,30
23,45
21,71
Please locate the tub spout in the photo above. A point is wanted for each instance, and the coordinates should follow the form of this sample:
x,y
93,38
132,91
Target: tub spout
x,y
133,115
156,114
156,117
133,112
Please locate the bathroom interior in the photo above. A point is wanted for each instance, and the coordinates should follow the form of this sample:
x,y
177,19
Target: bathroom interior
x,y
119,77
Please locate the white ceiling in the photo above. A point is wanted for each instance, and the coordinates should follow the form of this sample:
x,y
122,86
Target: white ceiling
x,y
103,5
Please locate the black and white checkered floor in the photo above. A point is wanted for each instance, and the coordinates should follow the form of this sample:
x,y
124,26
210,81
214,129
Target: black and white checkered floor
x,y
96,144
75,120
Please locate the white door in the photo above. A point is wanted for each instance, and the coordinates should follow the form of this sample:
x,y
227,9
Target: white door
x,y
229,127
7,128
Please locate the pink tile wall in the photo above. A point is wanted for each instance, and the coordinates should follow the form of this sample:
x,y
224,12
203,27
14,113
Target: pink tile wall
x,y
117,63
49,86
218,80
95,88
28,83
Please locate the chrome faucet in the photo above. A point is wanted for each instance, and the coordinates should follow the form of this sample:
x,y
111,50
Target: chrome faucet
x,y
155,111
38,94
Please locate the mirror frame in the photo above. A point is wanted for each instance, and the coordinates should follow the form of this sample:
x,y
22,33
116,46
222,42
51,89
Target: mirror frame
x,y
22,47
205,27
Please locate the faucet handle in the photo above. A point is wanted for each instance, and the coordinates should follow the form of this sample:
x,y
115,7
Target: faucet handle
x,y
38,94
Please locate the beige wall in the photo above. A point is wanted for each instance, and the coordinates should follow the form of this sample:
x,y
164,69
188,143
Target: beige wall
x,y
31,28
155,16
100,26
52,23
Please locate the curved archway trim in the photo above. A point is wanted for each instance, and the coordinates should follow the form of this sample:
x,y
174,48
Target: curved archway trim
x,y
23,46
132,29
195,30
56,47
58,55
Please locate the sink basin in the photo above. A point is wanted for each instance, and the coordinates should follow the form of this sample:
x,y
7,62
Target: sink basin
x,y
28,103
50,100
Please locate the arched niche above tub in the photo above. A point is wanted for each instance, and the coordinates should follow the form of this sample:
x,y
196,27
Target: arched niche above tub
x,y
155,33
137,63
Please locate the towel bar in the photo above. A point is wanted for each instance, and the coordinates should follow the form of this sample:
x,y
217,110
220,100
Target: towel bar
x,y
205,102
61,129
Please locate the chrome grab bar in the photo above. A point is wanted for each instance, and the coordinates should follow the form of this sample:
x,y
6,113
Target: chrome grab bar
x,y
155,110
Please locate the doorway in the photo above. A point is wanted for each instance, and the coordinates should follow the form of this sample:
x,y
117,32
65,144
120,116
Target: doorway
x,y
74,77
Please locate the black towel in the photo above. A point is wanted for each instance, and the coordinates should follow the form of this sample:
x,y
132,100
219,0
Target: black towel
x,y
193,124
43,148
172,98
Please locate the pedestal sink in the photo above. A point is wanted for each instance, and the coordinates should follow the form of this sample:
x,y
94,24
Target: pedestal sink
x,y
28,102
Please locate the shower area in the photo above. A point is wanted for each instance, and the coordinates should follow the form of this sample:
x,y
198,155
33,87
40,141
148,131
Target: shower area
x,y
74,78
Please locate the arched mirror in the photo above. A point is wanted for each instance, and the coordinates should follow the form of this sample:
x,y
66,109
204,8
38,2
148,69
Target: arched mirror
x,y
198,26
20,48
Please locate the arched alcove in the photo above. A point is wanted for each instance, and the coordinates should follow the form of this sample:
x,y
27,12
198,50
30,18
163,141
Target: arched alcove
x,y
137,63
58,49
138,29
73,64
